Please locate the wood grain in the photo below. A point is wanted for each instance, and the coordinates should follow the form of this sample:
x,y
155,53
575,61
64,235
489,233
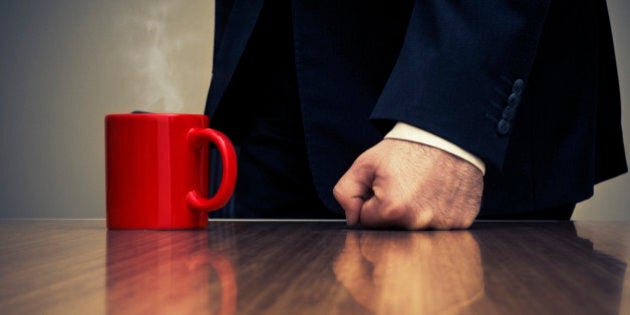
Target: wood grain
x,y
60,267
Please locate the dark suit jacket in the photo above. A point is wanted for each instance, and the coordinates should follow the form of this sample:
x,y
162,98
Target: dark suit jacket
x,y
530,87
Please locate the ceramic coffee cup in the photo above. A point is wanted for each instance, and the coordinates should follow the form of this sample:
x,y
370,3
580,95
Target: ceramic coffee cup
x,y
157,171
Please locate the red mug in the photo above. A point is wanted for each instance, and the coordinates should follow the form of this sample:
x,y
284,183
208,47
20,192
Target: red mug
x,y
157,171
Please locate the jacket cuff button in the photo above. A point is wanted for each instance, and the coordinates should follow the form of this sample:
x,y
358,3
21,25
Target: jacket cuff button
x,y
518,87
503,127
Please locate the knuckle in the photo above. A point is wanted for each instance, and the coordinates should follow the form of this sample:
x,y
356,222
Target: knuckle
x,y
336,192
420,219
466,222
396,213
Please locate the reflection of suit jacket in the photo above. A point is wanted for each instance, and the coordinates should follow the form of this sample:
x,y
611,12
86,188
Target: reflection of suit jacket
x,y
530,87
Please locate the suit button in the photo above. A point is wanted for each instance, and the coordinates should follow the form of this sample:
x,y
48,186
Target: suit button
x,y
503,127
518,87
514,100
508,113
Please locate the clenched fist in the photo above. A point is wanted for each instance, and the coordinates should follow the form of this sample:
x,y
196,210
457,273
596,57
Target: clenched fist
x,y
409,185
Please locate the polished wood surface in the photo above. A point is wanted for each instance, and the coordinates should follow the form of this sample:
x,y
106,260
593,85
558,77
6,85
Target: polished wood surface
x,y
61,267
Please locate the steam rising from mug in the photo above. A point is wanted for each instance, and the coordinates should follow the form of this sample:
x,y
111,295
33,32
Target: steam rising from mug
x,y
153,41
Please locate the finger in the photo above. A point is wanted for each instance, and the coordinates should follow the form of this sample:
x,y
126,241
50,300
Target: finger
x,y
371,217
352,190
384,211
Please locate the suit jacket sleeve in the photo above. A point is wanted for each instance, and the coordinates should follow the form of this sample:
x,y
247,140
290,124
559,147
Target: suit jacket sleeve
x,y
462,70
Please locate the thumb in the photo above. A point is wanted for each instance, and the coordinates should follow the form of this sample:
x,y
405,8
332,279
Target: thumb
x,y
353,190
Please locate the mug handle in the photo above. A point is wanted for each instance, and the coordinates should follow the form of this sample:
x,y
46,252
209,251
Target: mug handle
x,y
197,137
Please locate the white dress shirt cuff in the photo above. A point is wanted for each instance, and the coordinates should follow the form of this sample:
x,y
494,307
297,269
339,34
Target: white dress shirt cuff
x,y
407,132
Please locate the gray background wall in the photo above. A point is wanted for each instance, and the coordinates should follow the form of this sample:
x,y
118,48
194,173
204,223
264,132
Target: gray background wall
x,y
65,64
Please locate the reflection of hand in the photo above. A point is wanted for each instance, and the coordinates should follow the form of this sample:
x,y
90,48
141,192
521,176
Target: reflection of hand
x,y
411,273
410,185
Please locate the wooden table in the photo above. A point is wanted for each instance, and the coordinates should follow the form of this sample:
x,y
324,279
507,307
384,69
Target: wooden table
x,y
242,267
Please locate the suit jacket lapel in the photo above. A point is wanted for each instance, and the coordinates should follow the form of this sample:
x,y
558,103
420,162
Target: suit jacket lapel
x,y
240,24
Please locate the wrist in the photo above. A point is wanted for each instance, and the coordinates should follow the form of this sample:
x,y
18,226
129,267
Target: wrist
x,y
407,132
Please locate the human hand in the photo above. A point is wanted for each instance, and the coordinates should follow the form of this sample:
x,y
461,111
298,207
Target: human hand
x,y
409,185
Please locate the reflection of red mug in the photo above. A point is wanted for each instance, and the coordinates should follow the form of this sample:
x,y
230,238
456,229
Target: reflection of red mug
x,y
156,272
157,171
